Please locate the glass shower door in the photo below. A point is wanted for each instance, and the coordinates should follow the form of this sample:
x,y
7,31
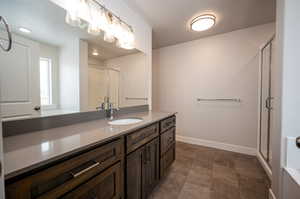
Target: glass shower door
x,y
265,103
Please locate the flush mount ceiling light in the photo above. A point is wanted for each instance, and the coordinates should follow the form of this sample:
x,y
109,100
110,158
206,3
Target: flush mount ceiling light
x,y
95,53
24,30
203,22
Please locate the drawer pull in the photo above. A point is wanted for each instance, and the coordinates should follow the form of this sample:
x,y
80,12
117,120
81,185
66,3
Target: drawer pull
x,y
75,175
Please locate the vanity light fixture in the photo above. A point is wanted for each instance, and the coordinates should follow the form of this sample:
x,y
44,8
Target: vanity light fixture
x,y
203,22
93,16
24,30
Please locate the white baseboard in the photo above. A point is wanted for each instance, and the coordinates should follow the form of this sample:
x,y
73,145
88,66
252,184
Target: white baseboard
x,y
271,194
218,145
264,164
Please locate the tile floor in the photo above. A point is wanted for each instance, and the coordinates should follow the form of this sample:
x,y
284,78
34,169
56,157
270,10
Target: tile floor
x,y
206,173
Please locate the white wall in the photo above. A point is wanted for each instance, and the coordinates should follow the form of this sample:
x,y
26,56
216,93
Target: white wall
x,y
93,62
133,78
288,122
222,66
83,75
69,75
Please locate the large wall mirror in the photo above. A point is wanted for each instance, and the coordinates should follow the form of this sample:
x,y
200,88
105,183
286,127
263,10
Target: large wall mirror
x,y
55,68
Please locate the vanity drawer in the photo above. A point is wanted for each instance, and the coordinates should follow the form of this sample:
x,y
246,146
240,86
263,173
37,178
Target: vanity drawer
x,y
106,185
167,123
167,139
55,181
141,137
166,160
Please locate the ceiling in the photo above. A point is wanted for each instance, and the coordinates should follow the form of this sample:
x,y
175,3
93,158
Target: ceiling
x,y
46,20
169,18
106,53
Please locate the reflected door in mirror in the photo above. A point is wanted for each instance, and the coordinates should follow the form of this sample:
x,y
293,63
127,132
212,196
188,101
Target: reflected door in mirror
x,y
19,78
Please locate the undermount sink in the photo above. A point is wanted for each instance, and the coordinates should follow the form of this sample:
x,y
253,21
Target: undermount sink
x,y
125,121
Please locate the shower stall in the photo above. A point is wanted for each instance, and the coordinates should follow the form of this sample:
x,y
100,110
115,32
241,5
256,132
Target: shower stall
x,y
103,82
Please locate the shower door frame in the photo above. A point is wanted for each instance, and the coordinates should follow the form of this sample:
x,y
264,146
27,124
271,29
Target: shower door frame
x,y
266,161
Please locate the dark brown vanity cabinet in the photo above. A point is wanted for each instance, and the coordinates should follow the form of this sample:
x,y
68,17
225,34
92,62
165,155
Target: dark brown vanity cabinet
x,y
142,173
167,144
127,167
90,172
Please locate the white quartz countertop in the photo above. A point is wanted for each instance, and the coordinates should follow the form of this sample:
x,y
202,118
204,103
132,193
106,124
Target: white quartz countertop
x,y
28,151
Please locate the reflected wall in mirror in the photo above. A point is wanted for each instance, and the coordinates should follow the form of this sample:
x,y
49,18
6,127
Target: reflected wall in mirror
x,y
54,68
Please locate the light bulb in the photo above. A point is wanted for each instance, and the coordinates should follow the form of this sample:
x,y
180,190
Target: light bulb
x,y
72,17
126,39
108,37
94,25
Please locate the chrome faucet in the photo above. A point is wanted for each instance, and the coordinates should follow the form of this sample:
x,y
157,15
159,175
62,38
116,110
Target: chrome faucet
x,y
111,111
108,108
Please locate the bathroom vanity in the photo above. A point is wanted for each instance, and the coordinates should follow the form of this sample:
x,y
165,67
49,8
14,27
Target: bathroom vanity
x,y
68,75
125,161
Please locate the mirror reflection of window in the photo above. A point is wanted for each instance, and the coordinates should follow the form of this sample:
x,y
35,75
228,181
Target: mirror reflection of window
x,y
45,81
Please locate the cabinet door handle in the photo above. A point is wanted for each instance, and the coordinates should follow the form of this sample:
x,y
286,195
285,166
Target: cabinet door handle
x,y
170,140
75,175
144,156
149,154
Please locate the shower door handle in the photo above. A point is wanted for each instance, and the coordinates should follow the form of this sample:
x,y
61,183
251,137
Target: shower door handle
x,y
268,103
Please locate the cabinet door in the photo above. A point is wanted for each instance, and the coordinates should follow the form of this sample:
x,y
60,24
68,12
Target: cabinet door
x,y
19,74
135,169
143,170
151,174
166,160
106,185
